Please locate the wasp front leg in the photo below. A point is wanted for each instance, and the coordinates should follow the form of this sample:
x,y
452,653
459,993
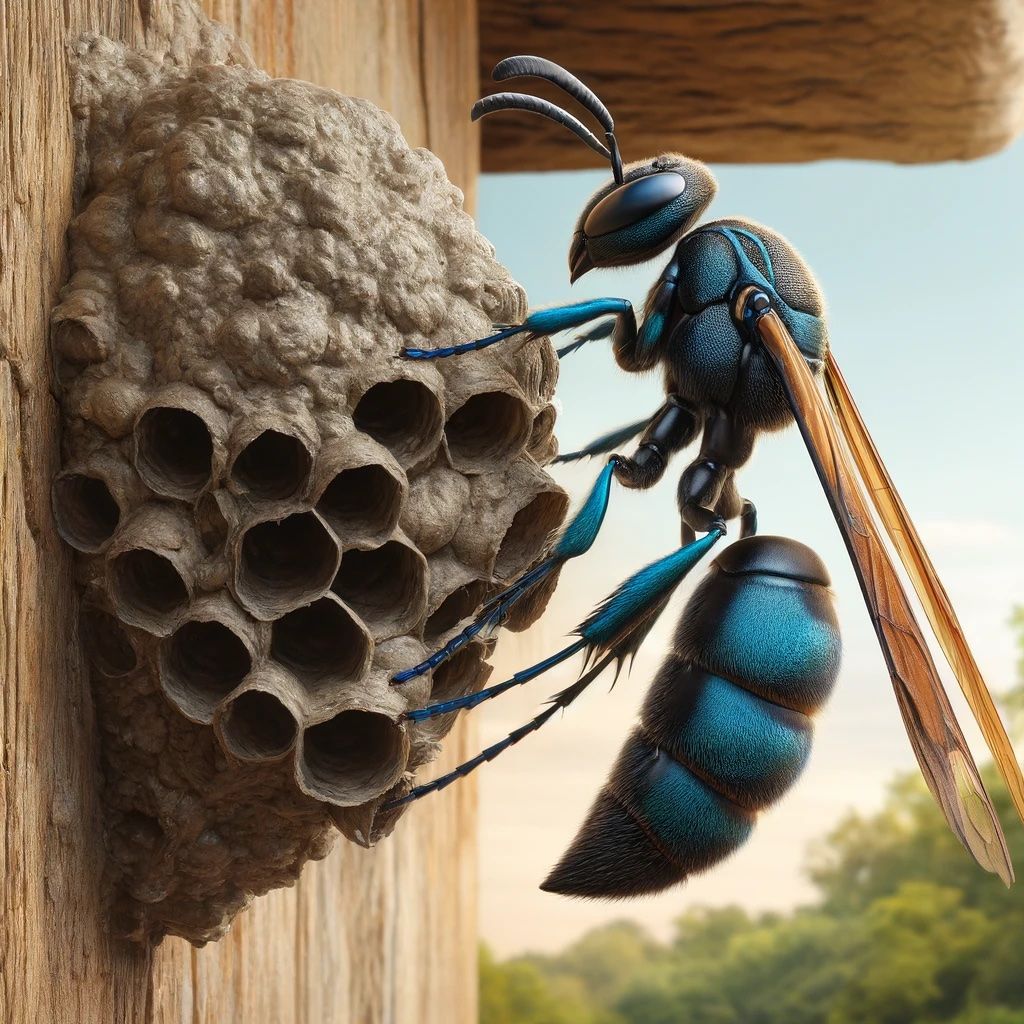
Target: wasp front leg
x,y
635,350
543,322
642,351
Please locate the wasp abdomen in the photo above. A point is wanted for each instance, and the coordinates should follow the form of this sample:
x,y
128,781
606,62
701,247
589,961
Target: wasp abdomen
x,y
725,729
747,748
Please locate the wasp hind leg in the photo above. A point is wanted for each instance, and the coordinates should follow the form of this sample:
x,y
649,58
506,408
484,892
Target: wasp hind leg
x,y
558,702
748,519
618,625
546,321
575,539
611,633
731,505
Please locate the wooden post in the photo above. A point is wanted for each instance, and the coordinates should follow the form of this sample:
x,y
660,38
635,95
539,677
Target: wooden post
x,y
365,936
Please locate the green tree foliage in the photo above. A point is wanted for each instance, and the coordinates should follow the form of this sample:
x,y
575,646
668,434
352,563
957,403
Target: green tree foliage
x,y
519,993
906,930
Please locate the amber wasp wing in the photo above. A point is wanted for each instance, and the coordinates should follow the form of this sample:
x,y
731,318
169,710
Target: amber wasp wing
x,y
848,464
927,584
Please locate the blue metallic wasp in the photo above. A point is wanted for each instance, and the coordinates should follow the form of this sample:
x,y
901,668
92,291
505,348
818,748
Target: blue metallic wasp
x,y
736,324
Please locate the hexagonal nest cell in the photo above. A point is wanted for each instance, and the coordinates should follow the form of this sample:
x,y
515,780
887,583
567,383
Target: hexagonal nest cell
x,y
271,512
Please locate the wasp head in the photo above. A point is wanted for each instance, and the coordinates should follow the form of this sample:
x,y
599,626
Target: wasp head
x,y
629,221
646,206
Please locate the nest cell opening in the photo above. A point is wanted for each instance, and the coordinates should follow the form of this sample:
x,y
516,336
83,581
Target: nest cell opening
x,y
321,640
403,415
108,643
273,466
147,586
458,605
203,662
86,512
531,527
490,426
257,726
354,756
363,499
286,563
382,583
173,451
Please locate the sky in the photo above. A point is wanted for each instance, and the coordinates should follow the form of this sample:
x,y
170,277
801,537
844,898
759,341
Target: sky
x,y
920,266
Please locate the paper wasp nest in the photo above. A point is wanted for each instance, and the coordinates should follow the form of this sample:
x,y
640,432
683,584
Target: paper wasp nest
x,y
272,512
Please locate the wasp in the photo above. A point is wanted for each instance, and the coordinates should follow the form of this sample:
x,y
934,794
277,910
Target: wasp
x,y
736,325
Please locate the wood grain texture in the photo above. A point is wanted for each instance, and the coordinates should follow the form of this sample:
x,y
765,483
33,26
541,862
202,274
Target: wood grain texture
x,y
366,936
909,81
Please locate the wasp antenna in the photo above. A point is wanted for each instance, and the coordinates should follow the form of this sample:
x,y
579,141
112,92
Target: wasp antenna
x,y
536,105
526,66
615,156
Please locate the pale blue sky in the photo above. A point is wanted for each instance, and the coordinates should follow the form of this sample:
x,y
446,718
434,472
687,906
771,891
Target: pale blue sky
x,y
921,269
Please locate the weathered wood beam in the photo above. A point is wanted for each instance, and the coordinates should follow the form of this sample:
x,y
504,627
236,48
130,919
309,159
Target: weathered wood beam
x,y
367,936
754,82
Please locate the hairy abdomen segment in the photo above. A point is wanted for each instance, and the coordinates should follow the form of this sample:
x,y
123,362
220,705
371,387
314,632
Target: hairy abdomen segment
x,y
725,729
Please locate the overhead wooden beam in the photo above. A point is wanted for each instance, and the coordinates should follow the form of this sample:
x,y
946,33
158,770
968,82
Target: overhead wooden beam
x,y
754,82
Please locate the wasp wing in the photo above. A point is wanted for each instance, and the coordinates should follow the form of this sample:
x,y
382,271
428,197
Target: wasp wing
x,y
935,735
927,584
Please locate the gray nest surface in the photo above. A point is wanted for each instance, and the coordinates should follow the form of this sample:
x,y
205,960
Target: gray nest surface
x,y
272,512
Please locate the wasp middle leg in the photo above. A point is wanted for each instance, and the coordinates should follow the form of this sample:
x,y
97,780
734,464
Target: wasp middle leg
x,y
707,490
576,539
672,428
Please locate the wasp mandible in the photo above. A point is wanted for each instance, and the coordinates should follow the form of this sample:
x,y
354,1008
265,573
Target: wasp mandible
x,y
736,324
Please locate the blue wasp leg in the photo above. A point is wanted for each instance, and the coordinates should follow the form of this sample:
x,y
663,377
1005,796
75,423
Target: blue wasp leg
x,y
636,351
726,446
558,702
748,519
617,626
620,623
597,333
470,700
732,505
605,443
671,428
575,540
611,630
539,322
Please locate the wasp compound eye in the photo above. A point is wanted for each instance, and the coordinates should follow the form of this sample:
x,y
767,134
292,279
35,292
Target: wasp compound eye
x,y
634,201
631,222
